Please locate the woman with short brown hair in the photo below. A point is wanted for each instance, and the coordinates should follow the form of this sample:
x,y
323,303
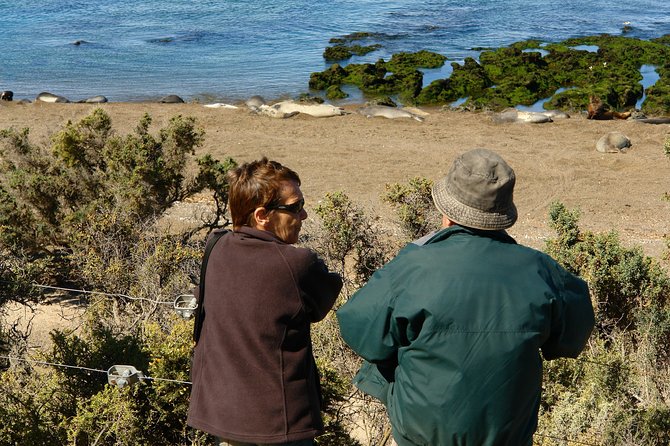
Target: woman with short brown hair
x,y
254,377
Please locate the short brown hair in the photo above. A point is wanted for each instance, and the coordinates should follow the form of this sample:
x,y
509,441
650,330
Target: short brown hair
x,y
255,184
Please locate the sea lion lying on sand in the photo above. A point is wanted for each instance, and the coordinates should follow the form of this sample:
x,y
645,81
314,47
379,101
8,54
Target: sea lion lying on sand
x,y
272,112
171,99
638,116
556,114
50,97
613,142
385,111
514,115
286,109
94,100
257,105
653,120
599,110
254,102
316,110
221,105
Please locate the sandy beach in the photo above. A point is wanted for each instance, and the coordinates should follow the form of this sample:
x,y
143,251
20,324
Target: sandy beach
x,y
359,155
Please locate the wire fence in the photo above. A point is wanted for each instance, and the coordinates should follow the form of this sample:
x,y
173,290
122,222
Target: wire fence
x,y
568,441
87,369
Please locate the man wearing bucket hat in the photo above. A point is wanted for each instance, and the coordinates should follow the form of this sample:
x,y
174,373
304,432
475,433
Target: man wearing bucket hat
x,y
453,330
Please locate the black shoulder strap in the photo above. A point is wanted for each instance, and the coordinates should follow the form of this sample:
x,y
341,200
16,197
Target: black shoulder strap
x,y
200,314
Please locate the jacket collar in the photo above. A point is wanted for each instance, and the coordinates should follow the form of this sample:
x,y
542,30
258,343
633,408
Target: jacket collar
x,y
257,233
445,233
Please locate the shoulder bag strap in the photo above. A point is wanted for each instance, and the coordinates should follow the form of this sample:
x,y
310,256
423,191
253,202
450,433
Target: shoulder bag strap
x,y
200,313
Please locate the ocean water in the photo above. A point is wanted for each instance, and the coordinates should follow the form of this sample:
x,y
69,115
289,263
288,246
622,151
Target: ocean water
x,y
228,50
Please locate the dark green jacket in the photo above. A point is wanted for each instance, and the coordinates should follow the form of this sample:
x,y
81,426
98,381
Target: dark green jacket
x,y
452,330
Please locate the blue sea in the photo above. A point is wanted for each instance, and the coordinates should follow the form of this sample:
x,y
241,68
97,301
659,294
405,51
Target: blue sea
x,y
228,50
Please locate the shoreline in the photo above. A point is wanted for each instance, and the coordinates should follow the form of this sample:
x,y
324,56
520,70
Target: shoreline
x,y
359,156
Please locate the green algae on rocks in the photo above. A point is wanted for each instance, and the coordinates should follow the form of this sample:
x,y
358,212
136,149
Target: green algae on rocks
x,y
567,73
399,76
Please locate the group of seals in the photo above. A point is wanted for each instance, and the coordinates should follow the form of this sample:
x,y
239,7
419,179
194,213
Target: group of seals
x,y
286,109
45,96
54,98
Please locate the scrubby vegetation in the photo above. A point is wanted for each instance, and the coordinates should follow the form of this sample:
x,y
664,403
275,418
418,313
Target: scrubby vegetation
x,y
522,74
87,210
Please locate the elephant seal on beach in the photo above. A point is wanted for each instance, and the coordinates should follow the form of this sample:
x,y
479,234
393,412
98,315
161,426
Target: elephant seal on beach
x,y
385,111
94,100
532,117
556,114
7,96
653,120
221,105
171,99
514,115
638,116
316,110
51,98
272,112
255,102
613,142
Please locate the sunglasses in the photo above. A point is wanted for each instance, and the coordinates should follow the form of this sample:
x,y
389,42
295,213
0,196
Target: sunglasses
x,y
294,208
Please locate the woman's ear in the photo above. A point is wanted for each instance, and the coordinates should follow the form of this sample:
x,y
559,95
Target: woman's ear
x,y
261,217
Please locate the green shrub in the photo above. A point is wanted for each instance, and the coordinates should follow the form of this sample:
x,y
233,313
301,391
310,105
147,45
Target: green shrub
x,y
616,392
80,207
349,239
622,280
414,206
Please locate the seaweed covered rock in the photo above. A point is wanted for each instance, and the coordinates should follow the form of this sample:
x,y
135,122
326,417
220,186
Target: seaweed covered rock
x,y
399,76
469,79
521,76
343,52
563,74
324,79
572,99
410,61
657,101
335,92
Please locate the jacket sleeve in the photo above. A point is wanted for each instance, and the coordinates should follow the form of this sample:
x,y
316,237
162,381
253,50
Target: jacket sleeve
x,y
572,318
366,320
320,289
